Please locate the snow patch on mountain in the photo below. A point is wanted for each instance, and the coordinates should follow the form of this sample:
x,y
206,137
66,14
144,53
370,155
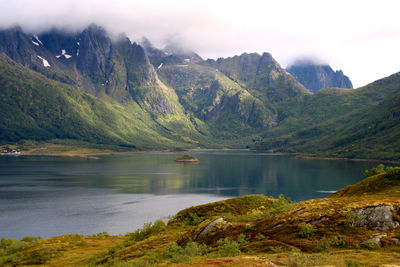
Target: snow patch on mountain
x,y
44,61
37,39
64,54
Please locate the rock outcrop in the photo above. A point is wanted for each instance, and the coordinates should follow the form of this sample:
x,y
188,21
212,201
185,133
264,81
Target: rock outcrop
x,y
318,76
378,218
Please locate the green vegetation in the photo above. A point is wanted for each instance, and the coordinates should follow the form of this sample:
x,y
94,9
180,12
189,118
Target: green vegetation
x,y
343,123
187,158
306,230
117,94
146,230
314,232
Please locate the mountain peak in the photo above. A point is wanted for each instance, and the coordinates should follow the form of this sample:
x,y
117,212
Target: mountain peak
x,y
316,75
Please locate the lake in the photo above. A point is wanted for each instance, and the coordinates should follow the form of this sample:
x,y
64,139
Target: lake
x,y
49,196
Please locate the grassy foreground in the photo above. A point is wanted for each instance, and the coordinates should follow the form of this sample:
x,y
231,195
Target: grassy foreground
x,y
356,226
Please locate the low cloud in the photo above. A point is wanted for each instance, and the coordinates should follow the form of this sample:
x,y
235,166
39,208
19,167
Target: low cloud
x,y
360,37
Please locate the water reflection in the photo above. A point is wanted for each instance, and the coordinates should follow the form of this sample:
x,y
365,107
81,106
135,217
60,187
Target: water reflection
x,y
51,196
220,173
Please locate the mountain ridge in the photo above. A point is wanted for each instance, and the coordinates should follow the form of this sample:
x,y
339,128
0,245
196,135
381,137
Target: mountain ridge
x,y
247,100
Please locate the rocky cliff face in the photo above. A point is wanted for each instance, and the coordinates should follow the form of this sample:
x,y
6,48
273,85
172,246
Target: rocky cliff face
x,y
91,61
261,73
315,76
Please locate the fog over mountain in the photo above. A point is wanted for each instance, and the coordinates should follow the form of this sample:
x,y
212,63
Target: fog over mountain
x,y
362,44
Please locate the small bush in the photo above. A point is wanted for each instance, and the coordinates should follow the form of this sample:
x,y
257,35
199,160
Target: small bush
x,y
328,243
195,249
338,242
146,230
31,238
370,244
352,263
323,245
228,248
177,254
10,246
306,230
353,217
44,254
249,226
193,220
242,239
260,236
102,235
391,172
374,171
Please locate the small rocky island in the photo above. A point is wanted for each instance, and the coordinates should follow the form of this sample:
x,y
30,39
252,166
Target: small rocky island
x,y
187,158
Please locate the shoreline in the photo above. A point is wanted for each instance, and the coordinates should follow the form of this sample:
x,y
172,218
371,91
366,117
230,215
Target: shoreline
x,y
300,156
94,156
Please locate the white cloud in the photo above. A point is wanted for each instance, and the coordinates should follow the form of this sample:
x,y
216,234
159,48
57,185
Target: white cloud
x,y
360,37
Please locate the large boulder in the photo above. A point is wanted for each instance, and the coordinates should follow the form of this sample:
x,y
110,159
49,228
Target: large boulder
x,y
378,218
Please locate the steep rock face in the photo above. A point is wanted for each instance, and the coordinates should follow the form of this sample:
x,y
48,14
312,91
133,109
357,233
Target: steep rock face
x,y
91,61
211,96
261,73
18,46
95,51
315,77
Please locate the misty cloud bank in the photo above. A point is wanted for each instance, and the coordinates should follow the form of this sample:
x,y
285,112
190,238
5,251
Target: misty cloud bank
x,y
360,37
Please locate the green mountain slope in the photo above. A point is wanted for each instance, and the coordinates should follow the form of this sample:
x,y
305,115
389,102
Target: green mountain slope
x,y
87,86
34,107
363,123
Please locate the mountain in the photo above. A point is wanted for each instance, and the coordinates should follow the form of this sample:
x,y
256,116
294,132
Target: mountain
x,y
182,97
87,86
318,76
363,123
247,96
107,86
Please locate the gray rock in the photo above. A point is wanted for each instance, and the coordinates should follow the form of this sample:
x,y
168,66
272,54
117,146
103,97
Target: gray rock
x,y
377,239
209,227
323,218
315,76
378,218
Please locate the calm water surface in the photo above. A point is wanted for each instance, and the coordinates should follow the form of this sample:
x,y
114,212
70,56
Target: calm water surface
x,y
44,196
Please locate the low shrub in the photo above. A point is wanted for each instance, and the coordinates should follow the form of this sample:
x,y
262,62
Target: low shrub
x,y
306,230
146,230
228,248
353,217
370,244
177,254
374,171
260,236
242,239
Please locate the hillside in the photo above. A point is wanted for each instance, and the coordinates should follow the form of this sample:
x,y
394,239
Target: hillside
x,y
361,123
35,107
88,87
356,226
181,96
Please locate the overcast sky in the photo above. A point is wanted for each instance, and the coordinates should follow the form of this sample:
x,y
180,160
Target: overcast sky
x,y
360,37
